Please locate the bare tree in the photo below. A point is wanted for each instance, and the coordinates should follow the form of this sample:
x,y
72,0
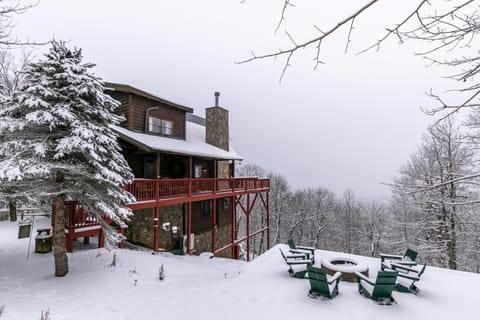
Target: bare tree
x,y
323,204
279,193
447,29
11,71
11,78
433,184
9,9
375,224
10,67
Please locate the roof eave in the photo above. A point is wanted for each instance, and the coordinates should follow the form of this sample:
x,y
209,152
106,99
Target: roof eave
x,y
129,89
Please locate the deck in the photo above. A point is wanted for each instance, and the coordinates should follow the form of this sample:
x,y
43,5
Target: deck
x,y
156,193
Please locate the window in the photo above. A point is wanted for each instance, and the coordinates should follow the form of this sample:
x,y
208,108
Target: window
x,y
161,126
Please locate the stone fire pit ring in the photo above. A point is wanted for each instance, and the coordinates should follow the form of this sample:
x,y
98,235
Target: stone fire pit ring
x,y
346,265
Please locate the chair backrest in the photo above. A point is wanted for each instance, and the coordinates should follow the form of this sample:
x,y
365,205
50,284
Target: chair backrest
x,y
384,284
318,280
422,270
410,254
291,244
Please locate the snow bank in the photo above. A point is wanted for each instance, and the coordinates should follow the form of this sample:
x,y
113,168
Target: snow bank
x,y
203,288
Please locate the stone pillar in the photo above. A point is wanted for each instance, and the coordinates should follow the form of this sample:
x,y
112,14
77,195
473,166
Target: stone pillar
x,y
216,127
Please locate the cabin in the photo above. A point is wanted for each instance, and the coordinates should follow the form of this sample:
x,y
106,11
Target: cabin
x,y
187,195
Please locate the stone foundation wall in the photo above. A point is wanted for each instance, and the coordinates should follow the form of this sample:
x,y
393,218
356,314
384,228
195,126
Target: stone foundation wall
x,y
141,231
224,237
174,215
203,241
140,228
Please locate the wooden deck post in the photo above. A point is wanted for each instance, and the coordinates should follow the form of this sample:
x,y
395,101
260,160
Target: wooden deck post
x,y
70,240
214,224
101,239
233,208
267,209
70,227
155,229
157,167
189,225
248,227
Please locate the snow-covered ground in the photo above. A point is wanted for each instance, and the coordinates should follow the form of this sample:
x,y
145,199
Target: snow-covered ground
x,y
201,288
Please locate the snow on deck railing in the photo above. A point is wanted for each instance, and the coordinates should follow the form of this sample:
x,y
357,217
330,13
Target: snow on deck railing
x,y
77,217
158,189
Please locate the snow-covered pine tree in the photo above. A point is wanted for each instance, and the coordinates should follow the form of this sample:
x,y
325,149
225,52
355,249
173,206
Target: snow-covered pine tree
x,y
57,144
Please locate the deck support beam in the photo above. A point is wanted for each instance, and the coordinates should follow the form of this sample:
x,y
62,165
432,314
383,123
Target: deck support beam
x,y
214,224
189,227
155,229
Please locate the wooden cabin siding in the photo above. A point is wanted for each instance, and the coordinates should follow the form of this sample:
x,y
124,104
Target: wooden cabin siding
x,y
123,109
134,158
165,112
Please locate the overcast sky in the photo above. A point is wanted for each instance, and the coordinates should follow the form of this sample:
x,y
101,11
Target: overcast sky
x,y
351,123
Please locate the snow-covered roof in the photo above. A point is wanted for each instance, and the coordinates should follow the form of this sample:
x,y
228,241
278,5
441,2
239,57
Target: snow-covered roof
x,y
193,145
130,89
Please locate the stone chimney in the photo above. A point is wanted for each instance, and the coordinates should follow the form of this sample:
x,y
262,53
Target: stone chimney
x,y
216,125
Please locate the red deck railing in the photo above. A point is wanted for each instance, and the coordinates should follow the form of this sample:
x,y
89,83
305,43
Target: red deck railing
x,y
163,189
78,217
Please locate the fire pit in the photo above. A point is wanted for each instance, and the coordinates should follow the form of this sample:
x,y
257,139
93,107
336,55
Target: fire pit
x,y
347,266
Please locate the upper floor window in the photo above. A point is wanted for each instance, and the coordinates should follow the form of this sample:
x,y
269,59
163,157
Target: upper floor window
x,y
161,126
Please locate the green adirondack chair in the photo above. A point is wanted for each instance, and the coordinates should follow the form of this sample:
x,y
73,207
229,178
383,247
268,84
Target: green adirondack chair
x,y
321,284
408,258
295,260
379,290
310,251
407,277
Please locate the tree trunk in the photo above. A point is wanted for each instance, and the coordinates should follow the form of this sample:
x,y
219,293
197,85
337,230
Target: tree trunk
x,y
59,240
13,211
452,245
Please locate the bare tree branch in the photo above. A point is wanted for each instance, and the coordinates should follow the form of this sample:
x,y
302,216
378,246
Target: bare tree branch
x,y
286,3
289,52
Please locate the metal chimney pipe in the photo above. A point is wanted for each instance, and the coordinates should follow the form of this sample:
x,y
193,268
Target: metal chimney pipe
x,y
217,97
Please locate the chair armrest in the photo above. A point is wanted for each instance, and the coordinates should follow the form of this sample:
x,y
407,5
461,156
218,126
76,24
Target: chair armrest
x,y
294,262
384,256
407,276
335,277
386,266
298,252
297,256
405,262
402,266
306,248
362,277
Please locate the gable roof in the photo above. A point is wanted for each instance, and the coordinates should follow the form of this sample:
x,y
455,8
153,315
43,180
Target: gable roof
x,y
193,145
129,89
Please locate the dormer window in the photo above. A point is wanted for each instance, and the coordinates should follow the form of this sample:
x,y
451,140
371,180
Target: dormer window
x,y
160,126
